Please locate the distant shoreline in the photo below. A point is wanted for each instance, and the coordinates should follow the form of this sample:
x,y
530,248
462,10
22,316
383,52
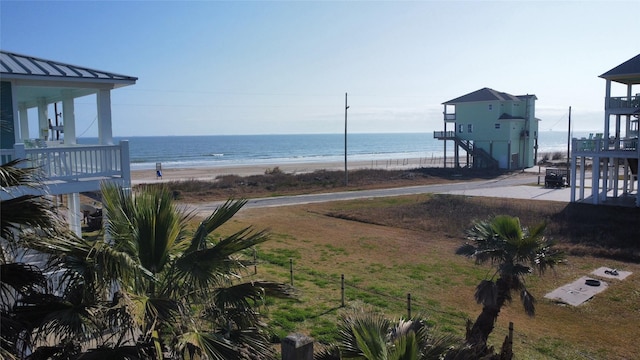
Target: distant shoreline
x,y
210,173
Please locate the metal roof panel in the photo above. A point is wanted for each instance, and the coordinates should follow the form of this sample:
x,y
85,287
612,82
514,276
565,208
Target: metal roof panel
x,y
627,73
17,64
484,94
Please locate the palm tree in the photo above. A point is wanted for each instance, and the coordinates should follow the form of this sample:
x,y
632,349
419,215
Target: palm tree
x,y
366,334
514,252
22,212
52,301
187,292
148,292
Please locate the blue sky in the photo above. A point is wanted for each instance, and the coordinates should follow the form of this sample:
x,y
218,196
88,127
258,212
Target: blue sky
x,y
213,67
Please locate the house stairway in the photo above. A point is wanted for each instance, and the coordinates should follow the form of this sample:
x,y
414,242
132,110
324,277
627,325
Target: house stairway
x,y
633,165
481,158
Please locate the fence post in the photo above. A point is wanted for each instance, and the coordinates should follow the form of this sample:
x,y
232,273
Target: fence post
x,y
291,270
507,346
342,289
408,305
297,347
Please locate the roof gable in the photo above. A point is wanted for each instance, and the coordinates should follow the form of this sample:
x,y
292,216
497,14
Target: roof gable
x,y
626,73
484,94
17,66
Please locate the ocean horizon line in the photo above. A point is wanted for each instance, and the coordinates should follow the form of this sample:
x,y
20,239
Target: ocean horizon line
x,y
323,133
184,151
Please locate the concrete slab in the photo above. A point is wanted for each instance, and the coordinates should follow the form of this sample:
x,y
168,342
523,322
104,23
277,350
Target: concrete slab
x,y
609,273
576,292
532,192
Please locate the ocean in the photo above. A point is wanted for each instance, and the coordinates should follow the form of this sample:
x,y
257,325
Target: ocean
x,y
232,150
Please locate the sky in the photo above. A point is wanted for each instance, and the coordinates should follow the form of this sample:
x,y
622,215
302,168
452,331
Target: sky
x,y
283,67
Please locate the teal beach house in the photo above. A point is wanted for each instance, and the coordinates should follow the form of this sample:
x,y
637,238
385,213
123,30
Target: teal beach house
x,y
490,129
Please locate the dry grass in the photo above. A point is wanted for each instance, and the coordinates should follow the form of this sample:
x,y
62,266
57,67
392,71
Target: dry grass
x,y
387,248
276,183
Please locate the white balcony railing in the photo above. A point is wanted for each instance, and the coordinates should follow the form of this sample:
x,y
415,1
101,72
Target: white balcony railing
x,y
74,162
623,102
450,117
448,135
601,145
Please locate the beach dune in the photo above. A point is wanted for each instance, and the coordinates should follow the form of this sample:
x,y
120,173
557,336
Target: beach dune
x,y
211,173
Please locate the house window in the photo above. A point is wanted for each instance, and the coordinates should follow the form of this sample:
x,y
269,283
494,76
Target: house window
x,y
460,128
470,128
497,125
490,107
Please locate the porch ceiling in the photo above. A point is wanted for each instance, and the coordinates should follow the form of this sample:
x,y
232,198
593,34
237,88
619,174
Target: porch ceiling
x,y
29,95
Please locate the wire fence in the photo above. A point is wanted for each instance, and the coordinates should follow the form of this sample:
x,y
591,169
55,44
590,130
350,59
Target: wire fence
x,y
343,284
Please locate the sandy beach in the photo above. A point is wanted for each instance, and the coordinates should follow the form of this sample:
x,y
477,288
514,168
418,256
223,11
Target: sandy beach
x,y
211,173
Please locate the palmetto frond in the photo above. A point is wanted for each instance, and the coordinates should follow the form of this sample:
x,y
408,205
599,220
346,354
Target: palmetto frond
x,y
507,228
362,334
528,301
214,266
218,218
158,227
128,352
194,344
244,344
50,314
235,304
20,277
13,174
366,334
486,293
404,348
24,210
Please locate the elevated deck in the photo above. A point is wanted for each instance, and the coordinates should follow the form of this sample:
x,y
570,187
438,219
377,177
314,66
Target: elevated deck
x,y
75,168
625,148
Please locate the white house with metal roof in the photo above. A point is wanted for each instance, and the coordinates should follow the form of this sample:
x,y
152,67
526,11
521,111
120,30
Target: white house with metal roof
x,y
495,129
613,154
29,82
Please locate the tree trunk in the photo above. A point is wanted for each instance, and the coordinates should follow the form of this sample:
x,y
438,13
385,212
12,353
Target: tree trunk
x,y
483,326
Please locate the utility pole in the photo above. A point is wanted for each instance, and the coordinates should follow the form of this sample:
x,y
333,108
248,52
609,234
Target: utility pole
x,y
569,142
346,173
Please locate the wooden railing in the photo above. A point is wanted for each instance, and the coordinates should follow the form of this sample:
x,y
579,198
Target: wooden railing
x,y
74,162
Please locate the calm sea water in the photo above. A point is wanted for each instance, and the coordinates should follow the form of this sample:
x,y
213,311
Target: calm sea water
x,y
229,150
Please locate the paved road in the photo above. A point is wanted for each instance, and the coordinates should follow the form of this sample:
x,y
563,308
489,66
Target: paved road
x,y
521,186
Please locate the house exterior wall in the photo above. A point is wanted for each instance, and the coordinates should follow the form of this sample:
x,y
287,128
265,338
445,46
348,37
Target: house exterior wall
x,y
480,122
7,138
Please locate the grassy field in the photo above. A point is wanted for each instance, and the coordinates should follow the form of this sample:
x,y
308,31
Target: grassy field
x,y
388,248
